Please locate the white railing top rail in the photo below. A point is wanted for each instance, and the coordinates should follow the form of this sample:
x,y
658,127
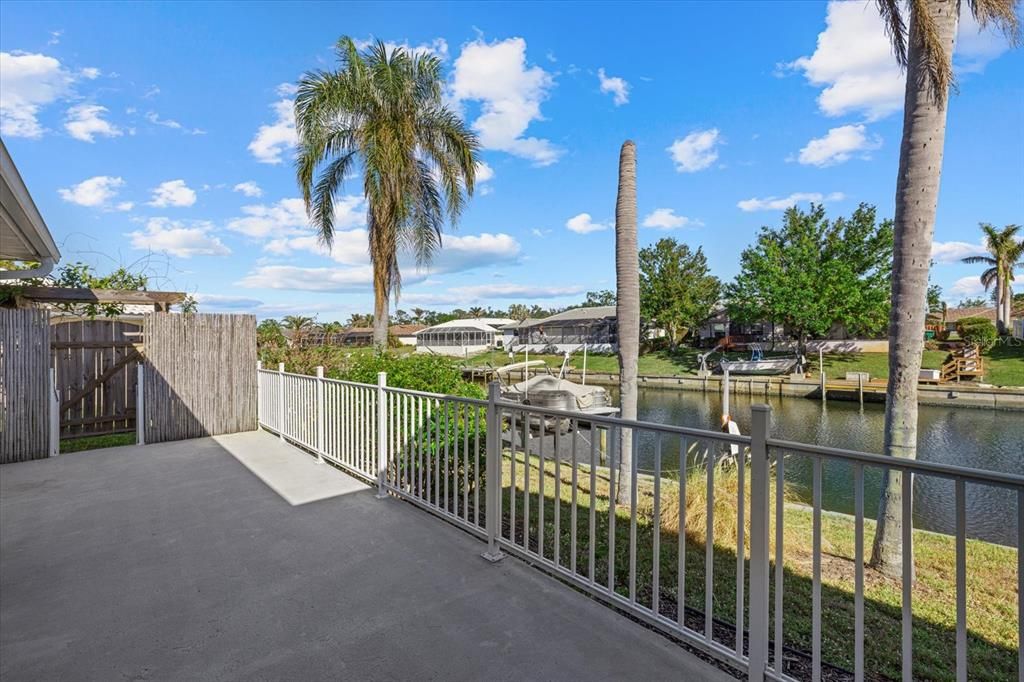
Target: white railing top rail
x,y
437,396
605,420
356,384
939,469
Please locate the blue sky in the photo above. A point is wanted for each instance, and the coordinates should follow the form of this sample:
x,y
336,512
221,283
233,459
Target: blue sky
x,y
159,135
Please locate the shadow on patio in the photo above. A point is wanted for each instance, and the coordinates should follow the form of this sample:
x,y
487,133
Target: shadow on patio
x,y
172,561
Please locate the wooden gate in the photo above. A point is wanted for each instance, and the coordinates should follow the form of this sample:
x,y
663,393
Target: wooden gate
x,y
96,367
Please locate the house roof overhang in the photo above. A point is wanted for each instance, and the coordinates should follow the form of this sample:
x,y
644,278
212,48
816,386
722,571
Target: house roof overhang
x,y
23,232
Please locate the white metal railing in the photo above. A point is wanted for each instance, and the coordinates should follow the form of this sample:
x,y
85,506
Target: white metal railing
x,y
545,485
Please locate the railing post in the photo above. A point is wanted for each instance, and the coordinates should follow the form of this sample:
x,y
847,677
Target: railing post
x,y
140,405
759,484
54,415
259,395
280,401
382,435
492,501
319,414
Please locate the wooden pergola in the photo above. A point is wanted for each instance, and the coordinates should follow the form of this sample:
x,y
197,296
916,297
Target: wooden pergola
x,y
160,300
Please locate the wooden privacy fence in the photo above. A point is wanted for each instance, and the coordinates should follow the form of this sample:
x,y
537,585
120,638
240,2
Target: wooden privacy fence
x,y
24,385
199,376
95,365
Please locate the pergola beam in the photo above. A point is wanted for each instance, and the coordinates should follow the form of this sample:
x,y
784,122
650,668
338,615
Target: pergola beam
x,y
162,300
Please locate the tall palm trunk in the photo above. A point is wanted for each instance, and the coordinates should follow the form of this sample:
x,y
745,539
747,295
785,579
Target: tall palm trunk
x,y
917,193
1000,298
380,318
627,308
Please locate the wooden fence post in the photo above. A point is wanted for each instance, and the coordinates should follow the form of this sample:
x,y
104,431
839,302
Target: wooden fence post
x,y
140,404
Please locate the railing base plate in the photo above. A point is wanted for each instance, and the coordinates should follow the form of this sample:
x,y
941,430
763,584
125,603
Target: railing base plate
x,y
494,557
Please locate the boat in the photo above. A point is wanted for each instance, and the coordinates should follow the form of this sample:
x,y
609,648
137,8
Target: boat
x,y
758,364
555,392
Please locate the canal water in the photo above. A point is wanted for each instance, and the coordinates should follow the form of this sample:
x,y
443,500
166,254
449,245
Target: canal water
x,y
983,439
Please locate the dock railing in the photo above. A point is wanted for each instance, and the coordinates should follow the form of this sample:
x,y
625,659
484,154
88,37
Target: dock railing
x,y
548,486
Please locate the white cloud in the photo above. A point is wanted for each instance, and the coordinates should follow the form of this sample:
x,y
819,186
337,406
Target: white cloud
x,y
85,121
437,47
510,94
584,224
472,294
967,286
155,119
484,174
55,37
178,238
854,63
30,82
249,189
617,87
458,254
696,151
288,217
779,204
838,145
173,193
855,66
286,90
96,192
954,252
227,302
90,72
666,219
274,139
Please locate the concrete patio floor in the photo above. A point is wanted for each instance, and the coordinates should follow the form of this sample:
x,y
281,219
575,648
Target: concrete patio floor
x,y
238,557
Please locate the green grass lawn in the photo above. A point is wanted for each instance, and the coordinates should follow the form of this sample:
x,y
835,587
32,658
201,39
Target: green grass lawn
x,y
111,440
991,575
1004,364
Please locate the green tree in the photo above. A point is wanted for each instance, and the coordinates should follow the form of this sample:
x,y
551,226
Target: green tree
x,y
934,298
268,333
78,275
518,311
970,302
922,34
676,287
1006,252
812,274
599,298
381,114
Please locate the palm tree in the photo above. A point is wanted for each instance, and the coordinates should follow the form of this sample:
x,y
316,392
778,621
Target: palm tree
x,y
1006,252
518,312
922,35
298,325
381,112
476,311
627,308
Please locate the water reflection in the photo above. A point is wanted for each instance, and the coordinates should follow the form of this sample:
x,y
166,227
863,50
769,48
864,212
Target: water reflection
x,y
984,439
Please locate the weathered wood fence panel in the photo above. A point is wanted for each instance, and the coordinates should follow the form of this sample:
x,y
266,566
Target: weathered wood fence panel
x,y
24,385
95,363
199,375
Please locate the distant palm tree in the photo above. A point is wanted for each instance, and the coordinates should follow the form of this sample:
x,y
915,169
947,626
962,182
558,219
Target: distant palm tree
x,y
627,309
476,311
922,33
381,112
360,320
1006,252
299,326
418,315
518,311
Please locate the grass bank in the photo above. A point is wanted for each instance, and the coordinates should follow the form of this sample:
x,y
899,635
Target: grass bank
x,y
991,577
1004,363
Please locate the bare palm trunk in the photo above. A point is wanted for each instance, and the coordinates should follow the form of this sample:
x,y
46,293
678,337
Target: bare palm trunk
x,y
1008,309
917,194
627,308
1000,309
380,319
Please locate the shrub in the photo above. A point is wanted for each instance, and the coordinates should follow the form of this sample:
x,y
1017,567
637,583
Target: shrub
x,y
415,371
977,331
